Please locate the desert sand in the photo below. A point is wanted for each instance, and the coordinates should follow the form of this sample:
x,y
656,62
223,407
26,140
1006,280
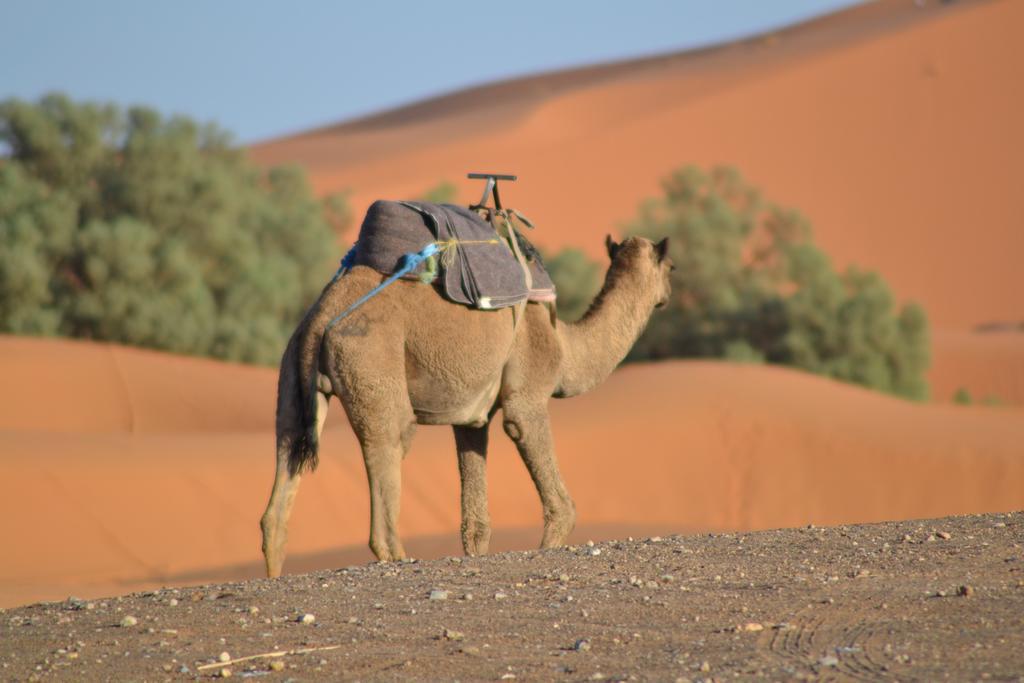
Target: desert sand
x,y
894,128
920,600
130,469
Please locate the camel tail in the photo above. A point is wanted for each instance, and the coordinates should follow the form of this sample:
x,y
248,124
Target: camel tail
x,y
297,414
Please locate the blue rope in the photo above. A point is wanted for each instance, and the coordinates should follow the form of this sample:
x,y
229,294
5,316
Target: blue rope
x,y
346,263
407,263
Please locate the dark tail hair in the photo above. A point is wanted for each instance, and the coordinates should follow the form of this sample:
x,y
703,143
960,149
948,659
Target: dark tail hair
x,y
304,355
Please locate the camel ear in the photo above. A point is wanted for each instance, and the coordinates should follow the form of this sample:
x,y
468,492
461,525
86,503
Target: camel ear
x,y
661,249
612,247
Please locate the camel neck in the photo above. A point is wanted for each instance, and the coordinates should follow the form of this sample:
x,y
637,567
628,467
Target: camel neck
x,y
595,345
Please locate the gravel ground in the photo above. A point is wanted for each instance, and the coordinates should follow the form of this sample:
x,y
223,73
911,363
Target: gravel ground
x,y
920,600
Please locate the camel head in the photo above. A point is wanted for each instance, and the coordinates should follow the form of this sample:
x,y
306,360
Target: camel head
x,y
645,260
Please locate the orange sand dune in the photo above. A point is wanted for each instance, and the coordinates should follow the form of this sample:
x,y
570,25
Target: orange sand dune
x,y
894,128
128,469
989,365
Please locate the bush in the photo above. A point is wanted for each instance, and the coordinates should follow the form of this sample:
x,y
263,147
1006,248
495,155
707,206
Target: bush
x,y
129,227
445,192
963,397
750,285
577,281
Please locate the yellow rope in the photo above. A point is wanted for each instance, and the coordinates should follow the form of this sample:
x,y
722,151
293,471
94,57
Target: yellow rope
x,y
448,248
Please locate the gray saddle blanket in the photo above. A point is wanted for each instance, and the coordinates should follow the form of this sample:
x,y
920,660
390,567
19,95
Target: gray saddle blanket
x,y
479,270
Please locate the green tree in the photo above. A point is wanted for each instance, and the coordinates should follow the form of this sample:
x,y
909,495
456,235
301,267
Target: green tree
x,y
127,226
577,280
750,285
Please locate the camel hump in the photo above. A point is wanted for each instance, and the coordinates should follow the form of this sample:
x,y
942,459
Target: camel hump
x,y
477,268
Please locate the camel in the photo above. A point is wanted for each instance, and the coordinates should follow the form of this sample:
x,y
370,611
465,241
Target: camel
x,y
410,357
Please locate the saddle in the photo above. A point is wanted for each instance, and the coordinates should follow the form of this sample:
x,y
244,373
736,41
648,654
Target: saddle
x,y
476,267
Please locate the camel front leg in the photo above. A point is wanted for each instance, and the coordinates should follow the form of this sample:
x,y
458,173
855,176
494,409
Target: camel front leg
x,y
530,428
471,443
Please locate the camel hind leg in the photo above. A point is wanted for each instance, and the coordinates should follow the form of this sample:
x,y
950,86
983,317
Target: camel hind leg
x,y
385,441
274,522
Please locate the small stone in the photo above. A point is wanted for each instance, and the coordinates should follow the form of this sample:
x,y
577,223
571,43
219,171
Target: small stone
x,y
129,621
944,535
453,635
225,673
594,552
705,666
862,574
500,596
752,627
469,650
563,578
224,657
254,610
173,602
438,594
965,591
307,619
590,544
581,645
829,661
277,665
999,525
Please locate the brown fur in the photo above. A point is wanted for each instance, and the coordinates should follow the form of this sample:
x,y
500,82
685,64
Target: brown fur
x,y
409,357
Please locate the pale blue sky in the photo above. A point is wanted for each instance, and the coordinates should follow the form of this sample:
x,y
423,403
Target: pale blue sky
x,y
262,69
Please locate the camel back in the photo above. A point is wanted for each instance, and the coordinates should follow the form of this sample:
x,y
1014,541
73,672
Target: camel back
x,y
476,269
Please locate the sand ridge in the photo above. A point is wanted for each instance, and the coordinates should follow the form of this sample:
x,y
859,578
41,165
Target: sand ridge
x,y
891,126
97,511
884,124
